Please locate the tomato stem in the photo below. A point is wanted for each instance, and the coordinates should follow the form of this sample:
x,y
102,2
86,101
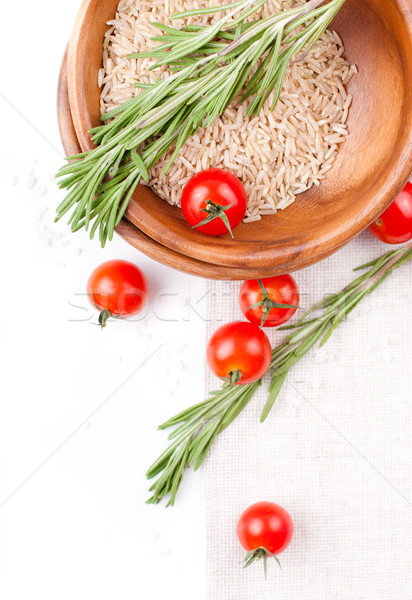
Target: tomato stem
x,y
215,211
267,304
257,554
234,376
103,317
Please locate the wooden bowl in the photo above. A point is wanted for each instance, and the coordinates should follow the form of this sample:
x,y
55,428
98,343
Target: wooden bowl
x,y
127,230
371,168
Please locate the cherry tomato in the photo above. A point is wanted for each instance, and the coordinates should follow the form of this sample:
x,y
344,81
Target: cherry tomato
x,y
394,226
214,202
264,529
261,300
118,289
239,352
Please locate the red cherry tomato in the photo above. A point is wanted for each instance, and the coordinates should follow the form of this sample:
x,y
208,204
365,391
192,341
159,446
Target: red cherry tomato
x,y
260,299
394,226
118,289
239,352
264,529
214,202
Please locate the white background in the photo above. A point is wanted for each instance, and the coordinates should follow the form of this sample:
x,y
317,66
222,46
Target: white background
x,y
79,407
79,526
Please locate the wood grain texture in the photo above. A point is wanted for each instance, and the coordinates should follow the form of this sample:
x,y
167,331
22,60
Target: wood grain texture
x,y
371,168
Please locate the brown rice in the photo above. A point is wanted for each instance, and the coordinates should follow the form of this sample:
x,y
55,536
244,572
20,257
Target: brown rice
x,y
278,154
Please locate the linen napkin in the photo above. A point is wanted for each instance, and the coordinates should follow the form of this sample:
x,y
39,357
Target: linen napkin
x,y
335,451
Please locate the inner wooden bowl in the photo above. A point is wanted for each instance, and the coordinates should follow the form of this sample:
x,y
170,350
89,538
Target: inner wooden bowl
x,y
129,232
371,168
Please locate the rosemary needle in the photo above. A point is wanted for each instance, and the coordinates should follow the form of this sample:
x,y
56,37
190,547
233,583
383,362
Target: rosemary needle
x,y
210,66
196,428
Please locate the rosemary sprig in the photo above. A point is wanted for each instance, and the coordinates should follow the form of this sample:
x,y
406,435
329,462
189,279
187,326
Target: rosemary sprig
x,y
197,427
334,309
211,67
